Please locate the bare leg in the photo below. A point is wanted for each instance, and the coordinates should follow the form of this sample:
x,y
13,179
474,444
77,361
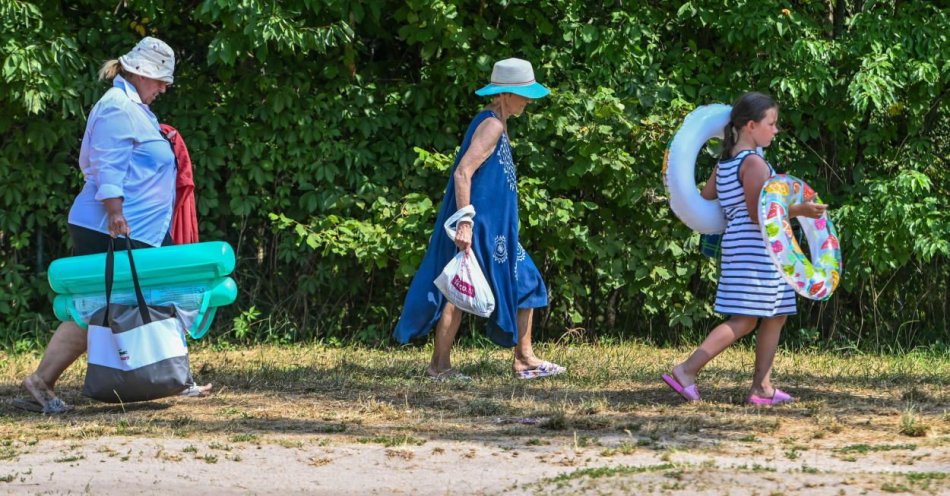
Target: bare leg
x,y
766,342
68,344
524,353
721,337
445,331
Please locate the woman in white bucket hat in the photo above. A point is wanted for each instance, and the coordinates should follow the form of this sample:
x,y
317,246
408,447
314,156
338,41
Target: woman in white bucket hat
x,y
130,190
484,177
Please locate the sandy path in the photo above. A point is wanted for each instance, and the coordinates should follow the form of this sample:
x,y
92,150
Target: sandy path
x,y
188,466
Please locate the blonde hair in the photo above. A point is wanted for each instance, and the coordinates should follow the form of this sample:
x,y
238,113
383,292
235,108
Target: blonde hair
x,y
110,69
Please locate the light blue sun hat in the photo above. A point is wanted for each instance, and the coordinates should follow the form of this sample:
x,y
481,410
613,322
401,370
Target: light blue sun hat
x,y
514,76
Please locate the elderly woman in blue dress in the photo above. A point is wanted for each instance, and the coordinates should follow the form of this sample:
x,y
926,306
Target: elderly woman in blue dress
x,y
129,189
484,177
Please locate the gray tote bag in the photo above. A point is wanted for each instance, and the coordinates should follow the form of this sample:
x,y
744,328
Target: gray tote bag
x,y
135,352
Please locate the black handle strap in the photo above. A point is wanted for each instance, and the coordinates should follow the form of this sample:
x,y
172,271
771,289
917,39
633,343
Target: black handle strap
x,y
110,275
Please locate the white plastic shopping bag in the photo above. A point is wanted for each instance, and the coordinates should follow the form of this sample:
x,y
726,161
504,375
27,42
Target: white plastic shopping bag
x,y
462,281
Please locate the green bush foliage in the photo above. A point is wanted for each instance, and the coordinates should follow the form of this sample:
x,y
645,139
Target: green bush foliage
x,y
322,132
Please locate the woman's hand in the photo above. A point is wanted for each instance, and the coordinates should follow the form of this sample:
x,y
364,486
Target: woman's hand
x,y
463,235
811,210
117,223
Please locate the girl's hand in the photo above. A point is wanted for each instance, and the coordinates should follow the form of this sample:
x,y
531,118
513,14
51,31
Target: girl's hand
x,y
463,235
709,190
811,210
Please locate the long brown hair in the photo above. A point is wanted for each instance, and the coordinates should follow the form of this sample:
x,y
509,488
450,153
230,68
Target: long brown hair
x,y
751,106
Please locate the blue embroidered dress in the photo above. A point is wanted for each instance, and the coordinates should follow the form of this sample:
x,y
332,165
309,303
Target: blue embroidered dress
x,y
512,275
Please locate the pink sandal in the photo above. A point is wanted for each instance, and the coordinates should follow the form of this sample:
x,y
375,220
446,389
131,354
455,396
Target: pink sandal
x,y
777,398
689,393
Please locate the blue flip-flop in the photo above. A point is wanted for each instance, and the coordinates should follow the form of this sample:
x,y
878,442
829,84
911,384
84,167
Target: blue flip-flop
x,y
546,369
53,406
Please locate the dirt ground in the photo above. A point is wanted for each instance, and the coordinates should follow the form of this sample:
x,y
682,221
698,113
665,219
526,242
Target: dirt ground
x,y
150,465
331,421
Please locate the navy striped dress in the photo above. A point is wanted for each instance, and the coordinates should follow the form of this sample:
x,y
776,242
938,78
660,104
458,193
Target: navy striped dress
x,y
749,282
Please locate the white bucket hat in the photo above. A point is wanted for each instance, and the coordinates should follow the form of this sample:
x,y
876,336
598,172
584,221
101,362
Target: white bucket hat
x,y
152,58
514,76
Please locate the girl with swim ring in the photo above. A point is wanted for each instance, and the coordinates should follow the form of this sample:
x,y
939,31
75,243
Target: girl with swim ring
x,y
750,286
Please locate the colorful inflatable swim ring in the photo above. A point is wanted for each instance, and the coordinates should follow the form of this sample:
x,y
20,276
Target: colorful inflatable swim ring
x,y
679,169
814,279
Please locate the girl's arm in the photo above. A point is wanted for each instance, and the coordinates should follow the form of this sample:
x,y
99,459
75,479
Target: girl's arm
x,y
709,190
811,210
482,146
753,172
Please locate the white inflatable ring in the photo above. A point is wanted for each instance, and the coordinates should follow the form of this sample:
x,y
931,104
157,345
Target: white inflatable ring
x,y
679,169
814,279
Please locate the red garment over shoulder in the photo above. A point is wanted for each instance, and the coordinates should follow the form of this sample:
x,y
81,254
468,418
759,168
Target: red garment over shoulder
x,y
184,228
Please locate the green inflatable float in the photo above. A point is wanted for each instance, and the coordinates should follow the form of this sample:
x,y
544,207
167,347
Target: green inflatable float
x,y
194,277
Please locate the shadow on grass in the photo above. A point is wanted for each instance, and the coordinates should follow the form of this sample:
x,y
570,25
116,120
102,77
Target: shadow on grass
x,y
381,404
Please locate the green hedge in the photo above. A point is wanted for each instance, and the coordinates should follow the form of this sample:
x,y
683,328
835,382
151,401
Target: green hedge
x,y
322,132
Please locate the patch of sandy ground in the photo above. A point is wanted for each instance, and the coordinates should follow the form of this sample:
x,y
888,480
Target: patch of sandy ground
x,y
308,465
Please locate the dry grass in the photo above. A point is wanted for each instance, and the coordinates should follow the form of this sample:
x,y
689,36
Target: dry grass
x,y
611,403
352,392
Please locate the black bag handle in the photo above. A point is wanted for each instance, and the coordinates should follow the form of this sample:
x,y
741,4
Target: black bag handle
x,y
110,275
